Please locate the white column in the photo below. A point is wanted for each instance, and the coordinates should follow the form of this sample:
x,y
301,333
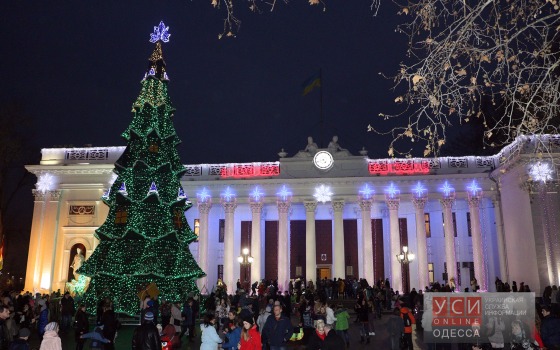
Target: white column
x,y
204,207
501,240
256,271
229,260
283,245
310,242
450,259
339,268
367,241
422,254
395,243
478,252
34,262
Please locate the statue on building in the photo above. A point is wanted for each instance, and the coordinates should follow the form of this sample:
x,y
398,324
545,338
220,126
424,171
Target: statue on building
x,y
311,146
77,263
334,146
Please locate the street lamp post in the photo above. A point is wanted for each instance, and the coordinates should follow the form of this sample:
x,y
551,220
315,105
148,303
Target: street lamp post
x,y
245,260
404,258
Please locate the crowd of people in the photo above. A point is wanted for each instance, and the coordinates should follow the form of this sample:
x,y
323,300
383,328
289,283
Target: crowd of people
x,y
260,316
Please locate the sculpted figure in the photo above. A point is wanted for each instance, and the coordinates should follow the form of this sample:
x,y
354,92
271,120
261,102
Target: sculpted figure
x,y
311,146
77,263
334,146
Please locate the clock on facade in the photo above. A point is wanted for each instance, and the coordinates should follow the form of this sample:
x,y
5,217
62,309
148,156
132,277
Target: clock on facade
x,y
323,160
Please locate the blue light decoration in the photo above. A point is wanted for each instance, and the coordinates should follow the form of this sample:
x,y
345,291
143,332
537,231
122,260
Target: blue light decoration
x,y
323,194
392,191
366,192
153,189
165,76
447,189
284,194
181,194
474,189
541,172
419,190
122,189
228,195
161,32
152,72
106,194
203,195
257,194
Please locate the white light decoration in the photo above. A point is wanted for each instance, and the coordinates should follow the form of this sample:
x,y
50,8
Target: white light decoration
x,y
228,195
106,194
447,189
474,189
45,183
284,194
323,194
419,190
257,195
392,191
541,172
113,179
203,195
122,189
366,192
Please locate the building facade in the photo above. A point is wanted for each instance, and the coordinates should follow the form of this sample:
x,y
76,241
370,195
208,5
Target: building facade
x,y
328,213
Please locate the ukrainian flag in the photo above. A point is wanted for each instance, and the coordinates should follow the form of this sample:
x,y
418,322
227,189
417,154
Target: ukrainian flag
x,y
311,83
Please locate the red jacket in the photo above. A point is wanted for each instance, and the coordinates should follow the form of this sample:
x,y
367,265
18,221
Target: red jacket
x,y
254,341
405,310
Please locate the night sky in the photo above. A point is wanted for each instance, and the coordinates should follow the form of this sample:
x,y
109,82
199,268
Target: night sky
x,y
76,66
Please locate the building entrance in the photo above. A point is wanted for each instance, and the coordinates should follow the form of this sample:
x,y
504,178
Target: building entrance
x,y
323,272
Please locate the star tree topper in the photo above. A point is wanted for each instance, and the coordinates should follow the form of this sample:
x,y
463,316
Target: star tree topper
x,y
161,32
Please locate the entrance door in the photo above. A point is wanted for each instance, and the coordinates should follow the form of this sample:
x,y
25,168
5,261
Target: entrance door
x,y
324,272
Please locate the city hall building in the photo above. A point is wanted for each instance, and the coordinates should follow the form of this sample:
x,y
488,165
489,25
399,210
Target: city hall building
x,y
329,213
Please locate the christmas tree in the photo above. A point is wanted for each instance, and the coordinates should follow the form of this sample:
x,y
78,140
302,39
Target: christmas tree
x,y
145,238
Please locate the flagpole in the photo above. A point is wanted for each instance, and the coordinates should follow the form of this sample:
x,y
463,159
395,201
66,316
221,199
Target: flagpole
x,y
321,121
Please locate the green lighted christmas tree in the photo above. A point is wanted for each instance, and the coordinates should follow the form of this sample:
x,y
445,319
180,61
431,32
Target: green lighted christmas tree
x,y
146,237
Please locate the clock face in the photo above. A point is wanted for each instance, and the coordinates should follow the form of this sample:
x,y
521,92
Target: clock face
x,y
323,160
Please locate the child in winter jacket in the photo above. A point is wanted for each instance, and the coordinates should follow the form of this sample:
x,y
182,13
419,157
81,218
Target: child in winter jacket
x,y
97,339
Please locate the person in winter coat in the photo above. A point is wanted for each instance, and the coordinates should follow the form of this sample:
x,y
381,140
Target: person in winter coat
x,y
250,337
362,310
317,338
332,340
263,317
188,320
110,326
342,323
408,321
81,326
277,330
146,336
169,336
97,339
176,317
43,317
331,319
21,342
550,329
233,337
395,327
51,340
209,337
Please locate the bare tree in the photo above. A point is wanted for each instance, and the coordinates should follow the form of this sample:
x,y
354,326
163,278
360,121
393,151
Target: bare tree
x,y
461,51
14,149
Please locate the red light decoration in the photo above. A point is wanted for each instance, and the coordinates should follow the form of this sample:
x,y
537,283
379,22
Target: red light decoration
x,y
250,170
398,167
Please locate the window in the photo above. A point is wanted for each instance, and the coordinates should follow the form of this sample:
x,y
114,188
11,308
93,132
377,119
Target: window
x,y
431,272
454,224
427,225
221,232
469,224
178,217
221,272
197,228
121,216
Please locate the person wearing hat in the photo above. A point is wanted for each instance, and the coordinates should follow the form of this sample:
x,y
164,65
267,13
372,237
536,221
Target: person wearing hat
x,y
250,337
21,342
146,336
51,340
97,339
